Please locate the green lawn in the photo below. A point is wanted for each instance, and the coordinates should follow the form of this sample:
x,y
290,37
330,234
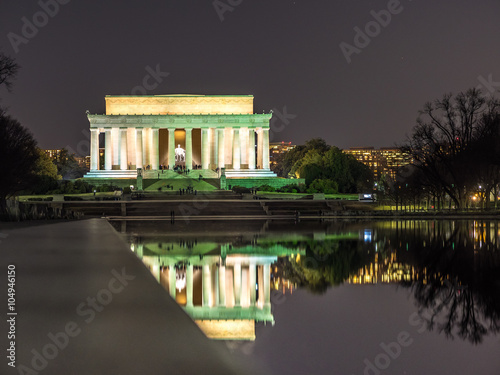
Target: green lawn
x,y
196,185
24,198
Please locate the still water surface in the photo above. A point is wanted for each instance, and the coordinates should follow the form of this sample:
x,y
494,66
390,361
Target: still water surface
x,y
336,297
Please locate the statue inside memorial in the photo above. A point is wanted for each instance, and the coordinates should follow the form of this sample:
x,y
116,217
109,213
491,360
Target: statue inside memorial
x,y
180,154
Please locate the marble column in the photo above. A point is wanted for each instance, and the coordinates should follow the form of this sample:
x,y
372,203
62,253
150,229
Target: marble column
x,y
138,148
260,282
140,250
155,270
94,149
155,149
216,287
265,148
171,281
189,149
207,285
251,149
222,285
244,147
131,147
236,149
189,285
212,135
267,285
259,148
108,149
145,147
252,276
171,148
237,284
115,136
205,149
221,140
123,149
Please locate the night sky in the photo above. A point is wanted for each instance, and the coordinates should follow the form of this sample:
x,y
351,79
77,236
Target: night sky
x,y
286,53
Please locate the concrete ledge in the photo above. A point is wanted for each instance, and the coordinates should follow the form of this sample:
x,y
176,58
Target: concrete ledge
x,y
111,174
250,173
80,278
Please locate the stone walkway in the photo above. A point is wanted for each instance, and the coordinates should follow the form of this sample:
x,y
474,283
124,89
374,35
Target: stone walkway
x,y
86,305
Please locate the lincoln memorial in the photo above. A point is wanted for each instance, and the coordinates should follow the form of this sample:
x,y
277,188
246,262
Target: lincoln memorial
x,y
202,132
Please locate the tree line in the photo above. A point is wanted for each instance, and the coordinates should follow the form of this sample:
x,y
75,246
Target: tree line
x,y
325,168
455,147
24,166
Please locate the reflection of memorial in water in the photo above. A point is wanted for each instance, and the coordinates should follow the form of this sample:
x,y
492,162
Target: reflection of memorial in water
x,y
449,267
224,288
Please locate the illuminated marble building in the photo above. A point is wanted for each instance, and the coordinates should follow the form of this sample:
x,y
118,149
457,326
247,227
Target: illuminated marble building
x,y
203,131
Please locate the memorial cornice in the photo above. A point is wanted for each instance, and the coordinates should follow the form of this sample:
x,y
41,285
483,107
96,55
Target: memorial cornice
x,y
184,121
178,99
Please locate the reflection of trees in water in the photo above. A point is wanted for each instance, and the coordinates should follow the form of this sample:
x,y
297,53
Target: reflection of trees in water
x,y
458,293
456,278
326,263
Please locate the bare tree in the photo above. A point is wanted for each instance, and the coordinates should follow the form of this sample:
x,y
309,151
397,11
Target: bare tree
x,y
446,144
18,151
8,71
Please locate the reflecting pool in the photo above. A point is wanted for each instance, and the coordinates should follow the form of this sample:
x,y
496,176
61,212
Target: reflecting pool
x,y
336,297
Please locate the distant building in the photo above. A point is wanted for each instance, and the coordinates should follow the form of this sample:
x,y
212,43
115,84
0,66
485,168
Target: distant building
x,y
386,160
53,154
388,271
277,148
83,161
87,162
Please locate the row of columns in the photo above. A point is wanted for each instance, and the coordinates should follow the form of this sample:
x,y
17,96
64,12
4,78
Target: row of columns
x,y
264,280
147,148
238,150
116,151
264,283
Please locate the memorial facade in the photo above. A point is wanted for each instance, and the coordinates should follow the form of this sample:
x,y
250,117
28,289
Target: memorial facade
x,y
204,133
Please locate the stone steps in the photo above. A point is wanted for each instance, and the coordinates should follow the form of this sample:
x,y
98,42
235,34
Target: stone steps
x,y
216,203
